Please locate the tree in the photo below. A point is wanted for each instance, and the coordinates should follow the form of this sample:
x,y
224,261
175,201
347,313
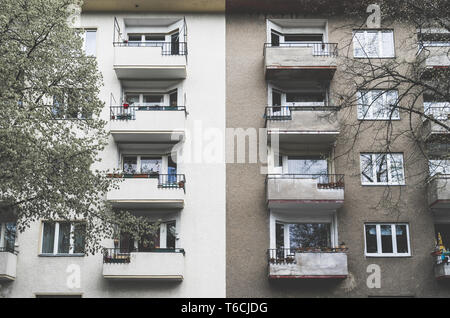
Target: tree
x,y
51,133
417,93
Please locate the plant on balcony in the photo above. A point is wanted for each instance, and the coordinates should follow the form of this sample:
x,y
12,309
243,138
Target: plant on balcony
x,y
124,117
290,260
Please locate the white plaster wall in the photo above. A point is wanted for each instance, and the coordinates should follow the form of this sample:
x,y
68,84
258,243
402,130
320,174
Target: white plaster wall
x,y
201,225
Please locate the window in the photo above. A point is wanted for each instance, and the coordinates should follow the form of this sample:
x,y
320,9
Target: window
x,y
307,38
439,166
7,236
142,164
373,43
302,235
440,110
165,237
149,101
382,169
66,106
387,239
89,42
378,104
307,165
63,238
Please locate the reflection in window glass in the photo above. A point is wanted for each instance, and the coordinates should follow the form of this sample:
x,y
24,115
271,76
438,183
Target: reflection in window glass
x,y
366,168
130,165
386,238
309,235
79,230
371,239
306,165
49,237
64,238
150,165
381,168
89,45
10,236
402,240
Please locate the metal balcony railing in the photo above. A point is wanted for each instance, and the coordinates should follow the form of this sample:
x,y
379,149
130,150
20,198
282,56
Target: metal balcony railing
x,y
129,112
122,255
325,181
9,249
318,49
284,112
287,255
167,48
166,181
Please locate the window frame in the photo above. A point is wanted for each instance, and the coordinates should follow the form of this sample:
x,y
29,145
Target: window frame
x,y
369,93
388,168
56,239
394,240
380,44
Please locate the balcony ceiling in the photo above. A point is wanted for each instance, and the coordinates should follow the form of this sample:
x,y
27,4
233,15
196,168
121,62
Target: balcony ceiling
x,y
155,5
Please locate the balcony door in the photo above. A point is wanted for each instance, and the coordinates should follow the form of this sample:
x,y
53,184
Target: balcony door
x,y
292,236
175,43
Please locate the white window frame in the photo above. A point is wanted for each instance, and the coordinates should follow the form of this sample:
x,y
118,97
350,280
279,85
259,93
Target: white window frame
x,y
388,167
380,49
56,239
394,241
372,97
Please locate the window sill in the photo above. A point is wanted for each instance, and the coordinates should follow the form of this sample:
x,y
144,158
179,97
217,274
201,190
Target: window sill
x,y
62,255
383,184
376,119
388,256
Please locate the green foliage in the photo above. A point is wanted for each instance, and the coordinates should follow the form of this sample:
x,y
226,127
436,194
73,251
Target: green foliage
x,y
48,158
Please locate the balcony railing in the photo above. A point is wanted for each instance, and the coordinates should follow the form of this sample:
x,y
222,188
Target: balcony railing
x,y
285,112
287,255
122,255
166,181
318,49
167,48
324,181
9,250
129,112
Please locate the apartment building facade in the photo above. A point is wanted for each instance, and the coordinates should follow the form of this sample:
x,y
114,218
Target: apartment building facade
x,y
159,83
305,223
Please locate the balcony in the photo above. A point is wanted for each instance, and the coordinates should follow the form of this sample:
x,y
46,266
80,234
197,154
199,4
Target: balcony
x,y
316,125
159,264
8,262
147,124
140,191
300,61
314,263
439,193
298,192
433,132
150,60
436,56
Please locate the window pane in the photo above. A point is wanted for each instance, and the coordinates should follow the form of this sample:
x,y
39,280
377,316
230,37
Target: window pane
x,y
386,239
279,234
378,105
366,168
396,168
371,239
372,42
130,165
90,42
402,239
170,235
64,238
388,43
150,165
300,165
381,167
391,101
49,238
358,44
10,236
134,37
363,104
79,233
132,99
153,100
439,166
309,235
